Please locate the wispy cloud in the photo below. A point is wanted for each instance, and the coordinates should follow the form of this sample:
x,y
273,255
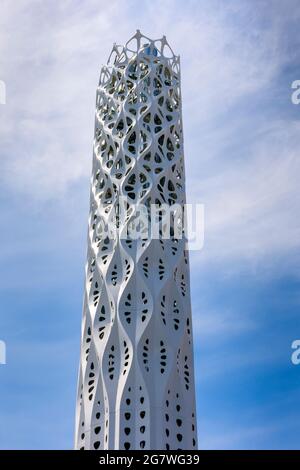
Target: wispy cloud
x,y
251,205
222,324
230,54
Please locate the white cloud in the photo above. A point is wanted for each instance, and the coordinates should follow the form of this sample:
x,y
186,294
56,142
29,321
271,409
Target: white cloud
x,y
51,56
251,206
222,324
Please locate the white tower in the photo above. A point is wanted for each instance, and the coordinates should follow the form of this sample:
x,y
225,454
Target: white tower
x,y
136,378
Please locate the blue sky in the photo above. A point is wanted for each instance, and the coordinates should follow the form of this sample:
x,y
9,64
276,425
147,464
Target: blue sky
x,y
242,146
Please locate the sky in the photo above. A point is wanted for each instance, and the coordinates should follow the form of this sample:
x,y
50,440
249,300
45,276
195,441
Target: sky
x,y
242,141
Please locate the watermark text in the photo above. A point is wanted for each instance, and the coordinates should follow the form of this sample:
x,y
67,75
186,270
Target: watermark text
x,y
2,352
295,97
2,92
295,357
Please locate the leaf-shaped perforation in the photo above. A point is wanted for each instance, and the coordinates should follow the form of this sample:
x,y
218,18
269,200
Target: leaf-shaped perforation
x,y
171,192
157,123
134,432
176,312
163,307
173,98
147,121
179,418
146,354
145,85
161,146
99,183
128,299
175,418
145,306
144,70
178,172
126,356
161,188
145,265
121,88
130,186
126,431
108,196
163,356
111,363
126,307
167,417
132,101
157,86
186,372
161,269
181,279
91,265
175,136
144,142
107,112
168,77
110,86
102,316
132,70
95,290
147,162
105,248
194,440
144,183
91,374
127,269
119,129
188,330
174,230
96,437
131,142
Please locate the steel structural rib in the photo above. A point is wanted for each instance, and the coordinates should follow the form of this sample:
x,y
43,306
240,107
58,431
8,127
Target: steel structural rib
x,y
136,377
